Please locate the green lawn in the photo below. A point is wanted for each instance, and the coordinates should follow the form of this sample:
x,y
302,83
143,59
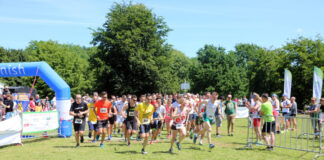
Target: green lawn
x,y
226,148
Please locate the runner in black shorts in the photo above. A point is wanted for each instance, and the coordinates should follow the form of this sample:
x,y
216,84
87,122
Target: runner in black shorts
x,y
79,110
130,121
157,123
112,121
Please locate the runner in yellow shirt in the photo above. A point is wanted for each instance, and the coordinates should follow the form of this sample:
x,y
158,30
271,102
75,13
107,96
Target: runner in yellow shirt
x,y
92,119
144,112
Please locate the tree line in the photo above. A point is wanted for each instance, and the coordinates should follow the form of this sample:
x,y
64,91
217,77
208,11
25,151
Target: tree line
x,y
130,54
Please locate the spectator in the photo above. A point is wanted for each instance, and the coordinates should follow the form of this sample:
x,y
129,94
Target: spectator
x,y
32,106
230,111
9,106
314,114
37,100
286,105
293,112
38,107
6,91
269,125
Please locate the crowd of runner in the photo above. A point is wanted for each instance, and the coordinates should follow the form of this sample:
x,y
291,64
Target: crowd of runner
x,y
181,114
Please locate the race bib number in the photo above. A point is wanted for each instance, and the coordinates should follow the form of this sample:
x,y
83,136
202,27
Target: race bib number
x,y
179,126
131,114
103,110
145,120
169,115
78,121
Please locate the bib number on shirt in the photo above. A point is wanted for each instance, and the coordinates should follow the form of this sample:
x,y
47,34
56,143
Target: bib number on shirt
x,y
168,115
131,114
145,121
103,110
179,126
78,121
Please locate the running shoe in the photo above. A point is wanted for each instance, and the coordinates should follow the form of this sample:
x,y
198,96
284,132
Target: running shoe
x,y
171,150
122,135
101,145
128,144
77,146
109,138
195,139
200,142
143,151
93,141
191,135
211,146
179,146
89,135
97,138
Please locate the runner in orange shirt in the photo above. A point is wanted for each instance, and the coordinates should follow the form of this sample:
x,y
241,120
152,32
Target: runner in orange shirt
x,y
102,109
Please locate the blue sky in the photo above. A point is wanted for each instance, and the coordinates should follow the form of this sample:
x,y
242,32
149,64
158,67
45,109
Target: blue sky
x,y
194,23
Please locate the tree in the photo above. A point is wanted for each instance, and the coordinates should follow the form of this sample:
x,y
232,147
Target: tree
x,y
131,51
64,59
217,71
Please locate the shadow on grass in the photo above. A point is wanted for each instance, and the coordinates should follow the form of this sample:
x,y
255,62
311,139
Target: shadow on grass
x,y
123,152
26,141
165,152
65,146
193,148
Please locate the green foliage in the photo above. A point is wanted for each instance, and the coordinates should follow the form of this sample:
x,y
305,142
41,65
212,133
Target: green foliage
x,y
217,71
132,55
65,60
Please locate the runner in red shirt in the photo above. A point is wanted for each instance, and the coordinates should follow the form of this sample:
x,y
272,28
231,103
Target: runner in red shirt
x,y
102,109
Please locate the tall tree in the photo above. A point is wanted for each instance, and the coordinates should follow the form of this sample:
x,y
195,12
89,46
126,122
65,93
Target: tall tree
x,y
131,50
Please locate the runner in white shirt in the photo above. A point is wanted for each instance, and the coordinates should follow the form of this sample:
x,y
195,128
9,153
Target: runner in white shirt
x,y
192,115
209,117
179,118
120,119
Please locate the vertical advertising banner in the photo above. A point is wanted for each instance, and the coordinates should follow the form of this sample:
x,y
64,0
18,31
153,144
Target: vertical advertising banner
x,y
317,83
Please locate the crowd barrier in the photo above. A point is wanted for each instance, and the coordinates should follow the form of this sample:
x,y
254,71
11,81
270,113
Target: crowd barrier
x,y
307,136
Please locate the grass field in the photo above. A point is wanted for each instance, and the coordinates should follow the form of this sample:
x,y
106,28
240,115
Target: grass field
x,y
226,148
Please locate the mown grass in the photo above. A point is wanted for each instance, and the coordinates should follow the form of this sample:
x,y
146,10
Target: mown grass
x,y
226,148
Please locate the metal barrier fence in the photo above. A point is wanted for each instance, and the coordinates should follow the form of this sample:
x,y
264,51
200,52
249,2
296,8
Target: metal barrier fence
x,y
307,136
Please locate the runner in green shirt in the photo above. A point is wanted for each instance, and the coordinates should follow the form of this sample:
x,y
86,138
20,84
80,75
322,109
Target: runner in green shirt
x,y
269,125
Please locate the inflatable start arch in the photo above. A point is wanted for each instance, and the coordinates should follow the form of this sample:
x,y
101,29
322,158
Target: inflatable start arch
x,y
53,80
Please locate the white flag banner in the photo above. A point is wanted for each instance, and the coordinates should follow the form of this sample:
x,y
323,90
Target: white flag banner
x,y
40,121
317,83
242,112
288,79
10,131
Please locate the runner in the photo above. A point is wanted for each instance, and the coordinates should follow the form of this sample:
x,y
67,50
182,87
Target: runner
x,y
157,123
168,120
120,119
219,116
79,111
102,110
200,109
112,118
92,119
230,111
209,116
179,116
162,111
130,121
144,112
192,115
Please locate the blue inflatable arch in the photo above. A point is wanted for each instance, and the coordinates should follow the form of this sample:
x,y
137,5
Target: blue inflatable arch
x,y
52,79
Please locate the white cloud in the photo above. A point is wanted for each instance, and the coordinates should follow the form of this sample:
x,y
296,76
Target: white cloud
x,y
299,30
